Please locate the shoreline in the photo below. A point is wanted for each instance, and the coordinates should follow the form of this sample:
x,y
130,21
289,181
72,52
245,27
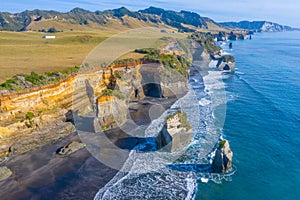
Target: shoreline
x,y
41,174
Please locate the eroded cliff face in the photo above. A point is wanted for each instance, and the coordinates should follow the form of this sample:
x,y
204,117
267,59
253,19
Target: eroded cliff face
x,y
111,112
176,134
222,162
48,107
33,117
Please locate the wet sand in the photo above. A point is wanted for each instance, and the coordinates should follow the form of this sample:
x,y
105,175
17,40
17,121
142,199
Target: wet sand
x,y
40,174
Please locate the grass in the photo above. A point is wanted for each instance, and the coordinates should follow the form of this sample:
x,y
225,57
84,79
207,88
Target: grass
x,y
16,83
24,52
109,92
222,144
183,119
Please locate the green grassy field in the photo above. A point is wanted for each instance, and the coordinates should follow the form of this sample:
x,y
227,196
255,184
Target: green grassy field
x,y
24,52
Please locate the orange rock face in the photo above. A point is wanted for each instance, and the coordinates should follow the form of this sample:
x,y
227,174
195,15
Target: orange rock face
x,y
78,93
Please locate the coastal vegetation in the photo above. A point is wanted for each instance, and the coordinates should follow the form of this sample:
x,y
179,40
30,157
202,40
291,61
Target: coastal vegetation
x,y
23,81
183,119
116,93
221,144
228,58
169,61
207,42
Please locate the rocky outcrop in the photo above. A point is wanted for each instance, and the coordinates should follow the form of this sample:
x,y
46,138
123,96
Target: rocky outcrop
x,y
17,138
226,63
70,148
111,112
5,173
176,133
222,162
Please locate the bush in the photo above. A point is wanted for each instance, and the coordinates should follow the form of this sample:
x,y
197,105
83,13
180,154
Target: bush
x,y
35,79
228,58
221,144
116,93
52,30
29,116
150,51
118,74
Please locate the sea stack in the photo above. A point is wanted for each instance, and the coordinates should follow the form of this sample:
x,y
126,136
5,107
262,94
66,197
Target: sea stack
x,y
176,134
222,162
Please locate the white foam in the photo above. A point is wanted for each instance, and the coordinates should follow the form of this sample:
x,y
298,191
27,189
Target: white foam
x,y
191,186
225,53
204,180
213,64
204,102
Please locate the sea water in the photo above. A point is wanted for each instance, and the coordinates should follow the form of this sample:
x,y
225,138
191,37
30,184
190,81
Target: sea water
x,y
256,109
262,120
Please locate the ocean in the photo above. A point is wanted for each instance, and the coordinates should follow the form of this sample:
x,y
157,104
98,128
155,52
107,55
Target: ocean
x,y
256,109
262,120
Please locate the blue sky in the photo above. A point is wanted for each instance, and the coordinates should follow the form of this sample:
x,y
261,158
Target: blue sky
x,y
282,11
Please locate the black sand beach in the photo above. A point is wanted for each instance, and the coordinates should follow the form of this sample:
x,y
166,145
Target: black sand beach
x,y
41,174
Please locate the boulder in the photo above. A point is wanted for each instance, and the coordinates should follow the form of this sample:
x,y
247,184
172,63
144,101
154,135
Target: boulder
x,y
70,148
176,133
5,173
222,162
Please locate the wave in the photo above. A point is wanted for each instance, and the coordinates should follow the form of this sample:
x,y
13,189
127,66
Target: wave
x,y
268,101
204,102
162,175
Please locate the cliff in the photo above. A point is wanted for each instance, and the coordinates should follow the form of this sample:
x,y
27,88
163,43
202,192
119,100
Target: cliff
x,y
39,115
176,133
258,26
33,117
111,112
213,52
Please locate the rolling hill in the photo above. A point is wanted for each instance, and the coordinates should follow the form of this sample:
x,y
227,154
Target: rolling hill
x,y
121,18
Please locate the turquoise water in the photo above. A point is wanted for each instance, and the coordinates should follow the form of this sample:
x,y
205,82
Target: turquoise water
x,y
262,120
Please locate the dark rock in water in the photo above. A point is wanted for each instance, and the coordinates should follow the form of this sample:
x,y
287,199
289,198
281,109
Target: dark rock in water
x,y
222,162
5,173
232,36
226,67
176,134
230,45
226,63
70,148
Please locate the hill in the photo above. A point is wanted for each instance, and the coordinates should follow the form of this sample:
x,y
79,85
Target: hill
x,y
258,26
121,18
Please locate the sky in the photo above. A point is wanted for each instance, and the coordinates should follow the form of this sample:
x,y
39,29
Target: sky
x,y
286,12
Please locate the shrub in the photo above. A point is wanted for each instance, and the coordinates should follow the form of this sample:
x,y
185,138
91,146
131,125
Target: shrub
x,y
151,51
221,144
35,79
228,58
116,93
52,30
118,74
29,116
